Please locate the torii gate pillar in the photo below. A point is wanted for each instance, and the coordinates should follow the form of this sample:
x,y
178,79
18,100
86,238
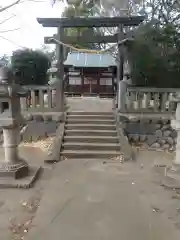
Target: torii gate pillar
x,y
60,73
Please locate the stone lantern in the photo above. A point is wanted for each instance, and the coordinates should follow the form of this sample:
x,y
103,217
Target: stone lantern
x,y
11,166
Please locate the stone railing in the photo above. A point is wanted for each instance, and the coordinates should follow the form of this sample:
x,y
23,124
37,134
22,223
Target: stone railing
x,y
140,100
43,99
39,99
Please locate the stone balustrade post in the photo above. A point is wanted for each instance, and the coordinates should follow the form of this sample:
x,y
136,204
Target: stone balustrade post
x,y
174,171
58,91
23,102
122,91
177,127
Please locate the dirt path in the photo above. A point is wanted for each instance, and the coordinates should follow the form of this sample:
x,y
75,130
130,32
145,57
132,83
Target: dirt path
x,y
18,206
94,199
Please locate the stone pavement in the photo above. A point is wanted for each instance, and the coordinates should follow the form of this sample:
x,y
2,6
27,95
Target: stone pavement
x,y
92,199
88,104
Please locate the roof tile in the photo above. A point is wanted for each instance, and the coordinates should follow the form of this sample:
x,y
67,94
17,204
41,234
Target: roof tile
x,y
77,59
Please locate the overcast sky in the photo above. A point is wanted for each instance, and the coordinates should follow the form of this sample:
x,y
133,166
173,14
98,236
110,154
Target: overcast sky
x,y
30,34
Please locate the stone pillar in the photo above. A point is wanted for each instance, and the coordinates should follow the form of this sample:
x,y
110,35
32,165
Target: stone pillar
x,y
122,89
23,102
10,145
120,53
174,171
12,166
60,73
120,67
177,157
177,127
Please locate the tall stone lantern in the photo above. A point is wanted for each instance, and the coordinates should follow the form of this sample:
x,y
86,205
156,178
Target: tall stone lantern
x,y
11,165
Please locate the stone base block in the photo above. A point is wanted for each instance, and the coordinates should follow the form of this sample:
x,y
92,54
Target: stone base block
x,y
25,182
15,170
173,173
54,155
170,183
172,179
15,174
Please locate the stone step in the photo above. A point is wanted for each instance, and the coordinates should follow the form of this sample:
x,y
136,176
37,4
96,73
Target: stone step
x,y
92,139
85,154
90,121
90,117
89,113
90,132
91,146
91,126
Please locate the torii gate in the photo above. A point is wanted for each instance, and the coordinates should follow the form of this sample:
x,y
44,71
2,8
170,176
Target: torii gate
x,y
79,22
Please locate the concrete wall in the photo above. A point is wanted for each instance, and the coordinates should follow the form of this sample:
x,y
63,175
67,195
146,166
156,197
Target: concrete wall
x,y
150,133
40,126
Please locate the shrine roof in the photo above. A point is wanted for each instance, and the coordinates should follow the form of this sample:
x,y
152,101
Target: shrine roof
x,y
91,60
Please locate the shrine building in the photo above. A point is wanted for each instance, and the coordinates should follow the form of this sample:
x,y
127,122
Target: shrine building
x,y
90,73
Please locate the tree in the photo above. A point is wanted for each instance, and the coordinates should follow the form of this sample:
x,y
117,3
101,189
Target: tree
x,y
82,8
50,53
4,60
30,67
155,56
5,8
155,53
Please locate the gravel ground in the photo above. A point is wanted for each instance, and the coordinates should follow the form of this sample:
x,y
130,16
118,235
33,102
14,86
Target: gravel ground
x,y
18,206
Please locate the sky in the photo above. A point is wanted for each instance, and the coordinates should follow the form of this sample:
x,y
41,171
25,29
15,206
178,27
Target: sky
x,y
30,34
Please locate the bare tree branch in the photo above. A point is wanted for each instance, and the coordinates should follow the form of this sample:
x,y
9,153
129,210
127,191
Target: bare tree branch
x,y
7,19
10,30
9,6
12,42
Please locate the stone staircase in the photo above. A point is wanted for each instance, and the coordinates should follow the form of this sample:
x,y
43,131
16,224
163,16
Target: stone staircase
x,y
90,135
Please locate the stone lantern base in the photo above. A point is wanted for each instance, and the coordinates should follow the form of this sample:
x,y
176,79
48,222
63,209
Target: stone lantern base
x,y
14,171
171,178
18,179
174,172
17,170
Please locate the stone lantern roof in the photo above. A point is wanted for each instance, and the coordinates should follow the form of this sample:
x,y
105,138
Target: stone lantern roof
x,y
8,87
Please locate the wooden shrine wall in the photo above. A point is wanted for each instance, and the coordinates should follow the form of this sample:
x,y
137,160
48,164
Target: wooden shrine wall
x,y
90,82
